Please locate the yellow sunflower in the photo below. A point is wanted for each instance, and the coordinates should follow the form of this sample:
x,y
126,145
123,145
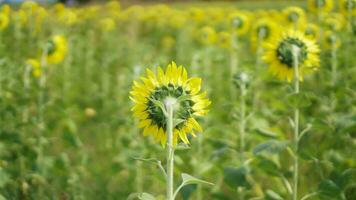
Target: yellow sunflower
x,y
347,6
4,21
295,17
317,6
279,55
107,24
312,31
207,35
35,67
333,24
56,49
262,31
239,22
331,40
151,94
224,40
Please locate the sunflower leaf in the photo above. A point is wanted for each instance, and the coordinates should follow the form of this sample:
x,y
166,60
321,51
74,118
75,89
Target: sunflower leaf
x,y
146,196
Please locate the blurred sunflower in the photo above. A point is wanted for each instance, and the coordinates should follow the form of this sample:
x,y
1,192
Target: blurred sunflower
x,y
107,24
295,17
333,24
151,94
224,40
347,7
263,30
331,40
239,22
56,49
207,35
312,31
279,55
317,6
4,21
35,67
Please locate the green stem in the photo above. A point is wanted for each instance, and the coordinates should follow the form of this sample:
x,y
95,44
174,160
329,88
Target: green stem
x,y
170,151
333,64
233,64
243,120
296,123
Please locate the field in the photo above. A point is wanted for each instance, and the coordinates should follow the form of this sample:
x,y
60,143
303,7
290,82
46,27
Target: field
x,y
252,101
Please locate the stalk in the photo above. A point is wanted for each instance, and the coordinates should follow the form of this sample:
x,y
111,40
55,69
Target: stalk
x,y
243,120
296,50
42,85
170,150
259,48
333,63
233,64
26,81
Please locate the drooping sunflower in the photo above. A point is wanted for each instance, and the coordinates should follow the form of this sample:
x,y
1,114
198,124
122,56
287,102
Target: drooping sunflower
x,y
155,89
331,40
239,22
294,17
312,31
224,40
207,35
56,49
317,6
279,55
263,31
347,7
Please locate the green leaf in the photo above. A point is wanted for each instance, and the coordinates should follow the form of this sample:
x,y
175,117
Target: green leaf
x,y
188,179
271,195
270,147
2,197
299,100
146,196
329,188
266,133
236,177
268,166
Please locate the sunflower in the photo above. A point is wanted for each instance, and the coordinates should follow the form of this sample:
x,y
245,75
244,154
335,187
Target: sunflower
x,y
151,94
56,49
331,40
35,67
107,24
262,31
317,6
207,35
294,17
279,55
333,23
312,31
348,6
4,21
239,22
224,40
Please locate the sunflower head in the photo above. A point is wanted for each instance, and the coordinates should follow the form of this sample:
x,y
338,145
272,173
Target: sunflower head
x,y
294,16
239,22
291,48
56,49
331,40
320,5
35,67
333,24
207,35
224,40
170,87
348,6
107,24
312,31
4,21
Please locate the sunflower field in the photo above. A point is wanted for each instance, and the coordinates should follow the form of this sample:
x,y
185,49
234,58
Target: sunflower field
x,y
246,100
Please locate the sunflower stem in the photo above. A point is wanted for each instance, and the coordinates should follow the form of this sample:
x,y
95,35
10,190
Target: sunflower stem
x,y
233,64
333,64
170,150
295,52
242,120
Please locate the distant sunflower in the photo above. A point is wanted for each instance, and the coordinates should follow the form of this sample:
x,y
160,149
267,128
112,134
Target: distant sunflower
x,y
320,5
207,35
155,89
331,40
312,31
348,6
279,55
56,49
4,21
224,40
35,67
263,30
295,17
239,23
